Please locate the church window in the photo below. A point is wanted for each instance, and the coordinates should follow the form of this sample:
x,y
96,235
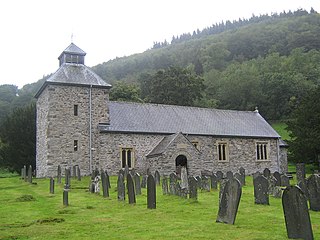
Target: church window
x,y
75,145
223,151
262,149
127,157
75,110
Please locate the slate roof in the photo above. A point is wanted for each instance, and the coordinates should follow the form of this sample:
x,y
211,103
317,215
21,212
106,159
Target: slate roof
x,y
170,119
74,74
72,48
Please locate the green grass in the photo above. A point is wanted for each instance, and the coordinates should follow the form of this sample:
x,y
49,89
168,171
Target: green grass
x,y
90,216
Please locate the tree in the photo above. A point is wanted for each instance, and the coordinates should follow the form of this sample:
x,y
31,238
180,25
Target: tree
x,y
18,137
175,86
122,91
305,129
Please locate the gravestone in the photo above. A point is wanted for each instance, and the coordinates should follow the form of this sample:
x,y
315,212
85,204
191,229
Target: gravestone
x,y
126,171
144,181
105,185
266,172
157,177
193,188
172,183
30,174
131,192
151,192
25,175
65,196
285,181
132,172
239,177
67,177
205,183
229,175
108,178
219,175
304,188
261,188
296,214
178,189
229,203
59,174
256,174
199,181
184,178
300,171
184,193
78,173
313,186
242,172
74,171
121,187
272,183
277,192
214,181
96,183
222,184
277,176
22,174
165,190
52,185
137,183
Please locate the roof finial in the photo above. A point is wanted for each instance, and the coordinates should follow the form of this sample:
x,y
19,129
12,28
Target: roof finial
x,y
256,110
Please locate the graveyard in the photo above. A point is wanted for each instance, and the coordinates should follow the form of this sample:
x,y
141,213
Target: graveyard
x,y
33,210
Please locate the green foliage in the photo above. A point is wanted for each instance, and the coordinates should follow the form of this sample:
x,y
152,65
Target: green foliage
x,y
122,91
18,135
173,86
281,128
305,129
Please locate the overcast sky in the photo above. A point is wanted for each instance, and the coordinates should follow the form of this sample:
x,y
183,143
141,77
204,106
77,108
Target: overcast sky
x,y
35,32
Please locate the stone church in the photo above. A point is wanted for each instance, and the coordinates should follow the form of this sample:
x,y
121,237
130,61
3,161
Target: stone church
x,y
78,125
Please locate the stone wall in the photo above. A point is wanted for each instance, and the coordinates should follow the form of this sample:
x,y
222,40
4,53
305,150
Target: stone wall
x,y
58,128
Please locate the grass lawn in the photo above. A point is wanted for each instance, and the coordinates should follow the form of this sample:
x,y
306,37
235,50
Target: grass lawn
x,y
90,216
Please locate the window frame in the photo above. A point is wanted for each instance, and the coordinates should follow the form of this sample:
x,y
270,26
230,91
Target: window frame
x,y
75,110
223,148
262,150
127,150
75,145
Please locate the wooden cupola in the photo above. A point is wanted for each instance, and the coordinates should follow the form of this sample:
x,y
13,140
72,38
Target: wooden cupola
x,y
72,54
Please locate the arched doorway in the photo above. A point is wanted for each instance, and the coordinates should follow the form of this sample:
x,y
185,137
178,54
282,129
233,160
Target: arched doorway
x,y
181,161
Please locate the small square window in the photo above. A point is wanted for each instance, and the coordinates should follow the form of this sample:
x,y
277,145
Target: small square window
x,y
75,110
75,145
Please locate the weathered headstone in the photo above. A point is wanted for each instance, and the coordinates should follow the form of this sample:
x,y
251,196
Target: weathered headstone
x,y
67,177
59,174
184,193
131,192
178,189
285,180
277,176
97,184
242,172
25,175
151,192
121,188
74,171
126,170
277,192
272,184
105,185
165,189
172,183
108,178
239,177
222,184
52,185
205,183
219,175
199,181
144,181
214,181
184,178
300,172
193,188
22,174
256,174
78,173
30,174
261,188
229,175
266,172
65,196
137,183
313,185
296,214
229,203
157,177
304,188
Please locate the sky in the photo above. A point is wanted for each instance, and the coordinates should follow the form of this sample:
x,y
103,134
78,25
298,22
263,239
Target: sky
x,y
33,33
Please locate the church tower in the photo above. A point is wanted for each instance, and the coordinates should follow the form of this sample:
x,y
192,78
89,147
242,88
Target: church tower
x,y
71,104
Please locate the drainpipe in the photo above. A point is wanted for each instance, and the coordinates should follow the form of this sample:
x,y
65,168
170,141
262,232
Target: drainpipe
x,y
90,129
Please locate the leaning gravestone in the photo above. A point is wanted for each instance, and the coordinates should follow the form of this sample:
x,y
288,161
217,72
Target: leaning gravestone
x,y
193,188
105,186
121,187
219,175
184,178
285,181
59,174
172,183
300,171
266,172
30,174
151,192
137,183
157,177
52,185
229,203
229,175
277,176
296,214
131,192
214,181
165,189
313,186
144,181
261,187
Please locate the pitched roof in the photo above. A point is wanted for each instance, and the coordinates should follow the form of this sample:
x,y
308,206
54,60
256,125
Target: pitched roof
x,y
72,48
170,119
74,74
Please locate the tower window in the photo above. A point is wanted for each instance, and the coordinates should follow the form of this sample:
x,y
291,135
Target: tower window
x,y
75,110
75,145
